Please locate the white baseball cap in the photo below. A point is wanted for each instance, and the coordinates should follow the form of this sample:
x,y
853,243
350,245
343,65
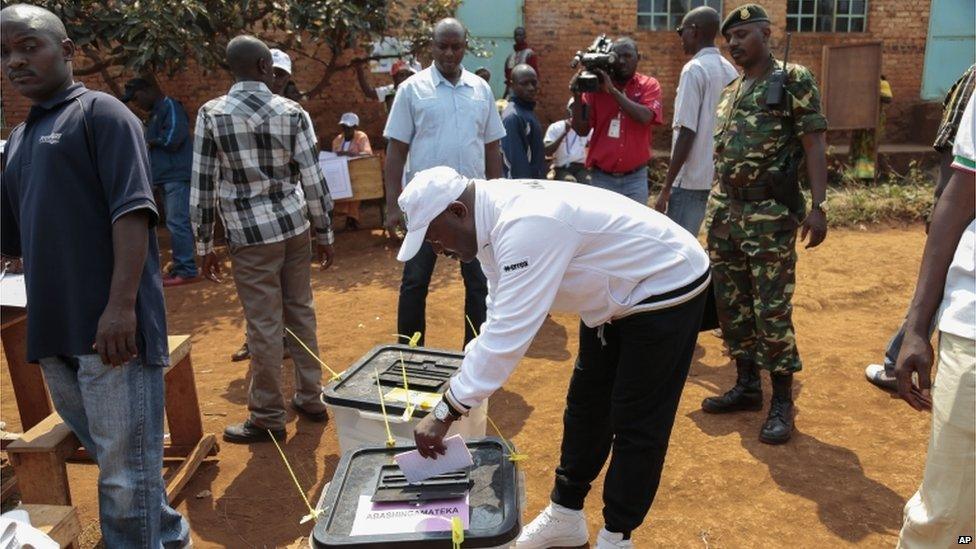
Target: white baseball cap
x,y
280,60
427,195
349,119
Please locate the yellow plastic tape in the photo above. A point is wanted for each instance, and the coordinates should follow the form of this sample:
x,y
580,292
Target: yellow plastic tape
x,y
512,454
408,412
457,532
390,441
420,399
412,341
335,376
312,512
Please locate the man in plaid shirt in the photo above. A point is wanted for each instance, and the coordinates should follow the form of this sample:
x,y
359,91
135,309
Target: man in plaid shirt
x,y
254,160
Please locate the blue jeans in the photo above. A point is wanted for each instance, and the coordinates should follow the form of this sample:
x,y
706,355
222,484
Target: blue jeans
x,y
632,185
176,196
686,207
117,414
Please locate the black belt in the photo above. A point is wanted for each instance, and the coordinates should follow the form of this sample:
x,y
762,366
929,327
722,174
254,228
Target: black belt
x,y
755,193
620,174
573,165
686,289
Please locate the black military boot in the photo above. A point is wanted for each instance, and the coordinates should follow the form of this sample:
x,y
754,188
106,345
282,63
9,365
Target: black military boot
x,y
779,423
745,395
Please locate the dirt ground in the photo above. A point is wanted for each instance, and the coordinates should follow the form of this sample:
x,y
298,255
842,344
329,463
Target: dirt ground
x,y
856,457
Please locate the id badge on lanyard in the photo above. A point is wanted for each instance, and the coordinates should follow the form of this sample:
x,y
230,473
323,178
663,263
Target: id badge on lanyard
x,y
613,130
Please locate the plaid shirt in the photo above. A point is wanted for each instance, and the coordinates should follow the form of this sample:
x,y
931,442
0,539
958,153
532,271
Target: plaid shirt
x,y
952,109
254,158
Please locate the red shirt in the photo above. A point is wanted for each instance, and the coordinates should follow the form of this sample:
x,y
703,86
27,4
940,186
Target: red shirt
x,y
632,149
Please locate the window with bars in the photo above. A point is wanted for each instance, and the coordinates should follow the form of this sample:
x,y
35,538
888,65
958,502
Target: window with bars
x,y
826,15
666,15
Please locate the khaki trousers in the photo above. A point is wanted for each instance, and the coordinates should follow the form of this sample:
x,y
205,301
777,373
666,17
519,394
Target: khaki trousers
x,y
944,508
274,285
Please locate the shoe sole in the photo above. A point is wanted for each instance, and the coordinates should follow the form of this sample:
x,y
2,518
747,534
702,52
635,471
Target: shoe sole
x,y
249,440
750,408
562,544
774,441
882,385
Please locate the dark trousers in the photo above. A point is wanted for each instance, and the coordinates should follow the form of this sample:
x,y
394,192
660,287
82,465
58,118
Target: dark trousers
x,y
623,395
412,309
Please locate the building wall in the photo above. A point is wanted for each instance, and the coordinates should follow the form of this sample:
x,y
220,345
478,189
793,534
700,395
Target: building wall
x,y
558,28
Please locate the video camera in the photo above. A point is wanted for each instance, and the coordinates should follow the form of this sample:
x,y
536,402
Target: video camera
x,y
598,56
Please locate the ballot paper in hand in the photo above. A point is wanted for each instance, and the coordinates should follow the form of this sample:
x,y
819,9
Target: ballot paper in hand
x,y
418,468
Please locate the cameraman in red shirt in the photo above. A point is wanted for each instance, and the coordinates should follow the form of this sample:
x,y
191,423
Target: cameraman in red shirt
x,y
621,114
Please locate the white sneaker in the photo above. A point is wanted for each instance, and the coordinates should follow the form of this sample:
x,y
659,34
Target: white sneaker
x,y
876,374
610,540
556,526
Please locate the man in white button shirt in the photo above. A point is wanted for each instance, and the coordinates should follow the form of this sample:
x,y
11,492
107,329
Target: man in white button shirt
x,y
692,167
638,282
943,511
442,116
568,149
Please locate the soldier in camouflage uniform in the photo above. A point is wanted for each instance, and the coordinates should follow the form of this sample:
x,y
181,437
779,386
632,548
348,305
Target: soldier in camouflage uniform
x,y
761,143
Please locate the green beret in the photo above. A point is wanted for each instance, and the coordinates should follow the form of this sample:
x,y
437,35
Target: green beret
x,y
749,13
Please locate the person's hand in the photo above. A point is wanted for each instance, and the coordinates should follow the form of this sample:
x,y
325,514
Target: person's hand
x,y
211,267
916,357
429,436
115,339
574,84
606,86
394,220
326,255
815,225
661,204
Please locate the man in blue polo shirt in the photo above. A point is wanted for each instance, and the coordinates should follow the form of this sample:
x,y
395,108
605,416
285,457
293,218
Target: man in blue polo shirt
x,y
77,207
170,156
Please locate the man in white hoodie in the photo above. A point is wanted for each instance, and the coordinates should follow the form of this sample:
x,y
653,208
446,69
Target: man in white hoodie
x,y
638,282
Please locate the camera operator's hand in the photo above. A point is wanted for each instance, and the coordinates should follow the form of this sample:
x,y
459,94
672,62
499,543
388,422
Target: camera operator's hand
x,y
574,85
606,85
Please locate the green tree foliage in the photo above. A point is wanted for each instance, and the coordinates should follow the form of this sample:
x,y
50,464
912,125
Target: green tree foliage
x,y
155,37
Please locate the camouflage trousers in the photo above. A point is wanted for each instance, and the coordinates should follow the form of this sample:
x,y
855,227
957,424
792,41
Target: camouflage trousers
x,y
754,276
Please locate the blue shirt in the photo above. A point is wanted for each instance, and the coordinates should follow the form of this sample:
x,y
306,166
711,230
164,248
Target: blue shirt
x,y
525,154
75,166
445,124
168,138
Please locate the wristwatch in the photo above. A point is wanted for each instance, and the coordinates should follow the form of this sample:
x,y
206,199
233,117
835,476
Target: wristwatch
x,y
822,206
444,413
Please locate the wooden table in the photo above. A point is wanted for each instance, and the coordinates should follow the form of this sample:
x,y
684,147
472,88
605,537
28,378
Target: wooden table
x,y
39,455
33,403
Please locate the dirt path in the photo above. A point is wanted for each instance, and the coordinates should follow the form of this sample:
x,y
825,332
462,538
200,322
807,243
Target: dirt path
x,y
842,481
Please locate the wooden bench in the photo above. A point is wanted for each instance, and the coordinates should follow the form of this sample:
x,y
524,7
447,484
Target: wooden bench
x,y
58,522
40,454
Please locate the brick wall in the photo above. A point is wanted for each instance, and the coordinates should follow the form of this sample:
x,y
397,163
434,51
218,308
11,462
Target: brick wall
x,y
558,28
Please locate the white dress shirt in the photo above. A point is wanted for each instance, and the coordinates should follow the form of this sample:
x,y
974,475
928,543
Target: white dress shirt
x,y
699,90
445,124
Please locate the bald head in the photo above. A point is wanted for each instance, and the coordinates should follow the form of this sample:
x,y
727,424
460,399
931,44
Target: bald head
x,y
35,18
449,42
522,69
36,52
450,26
249,59
705,19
